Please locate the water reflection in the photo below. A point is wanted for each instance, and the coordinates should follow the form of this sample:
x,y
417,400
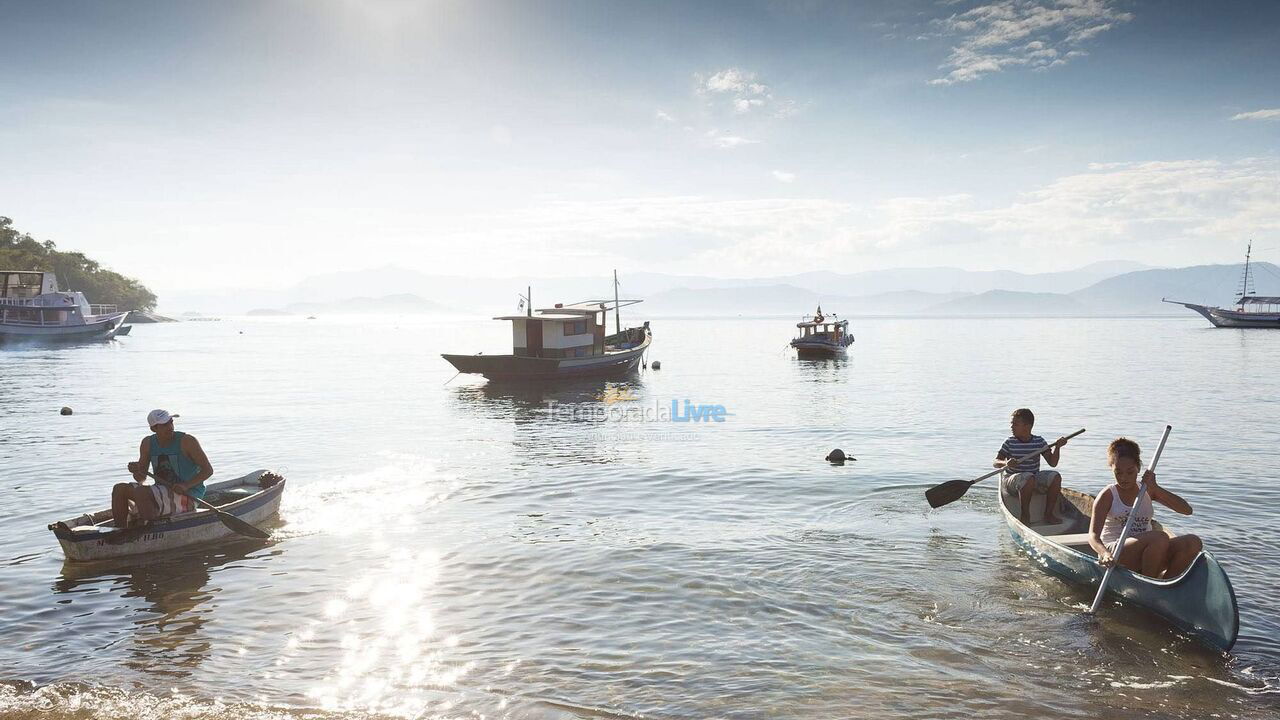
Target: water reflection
x,y
531,400
168,633
824,370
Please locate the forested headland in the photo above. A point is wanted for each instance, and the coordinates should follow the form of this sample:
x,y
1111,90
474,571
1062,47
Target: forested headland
x,y
20,251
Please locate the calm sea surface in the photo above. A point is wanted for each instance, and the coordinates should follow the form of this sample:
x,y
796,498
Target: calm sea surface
x,y
454,550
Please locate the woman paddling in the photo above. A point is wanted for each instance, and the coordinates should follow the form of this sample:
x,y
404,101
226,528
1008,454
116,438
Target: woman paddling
x,y
1150,552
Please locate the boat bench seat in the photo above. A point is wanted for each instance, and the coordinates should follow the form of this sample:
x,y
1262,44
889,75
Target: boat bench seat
x,y
1072,540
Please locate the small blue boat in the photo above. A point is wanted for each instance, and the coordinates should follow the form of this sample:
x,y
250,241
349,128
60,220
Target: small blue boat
x,y
1199,602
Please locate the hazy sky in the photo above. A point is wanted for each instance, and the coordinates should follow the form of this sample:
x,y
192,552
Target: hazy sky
x,y
197,145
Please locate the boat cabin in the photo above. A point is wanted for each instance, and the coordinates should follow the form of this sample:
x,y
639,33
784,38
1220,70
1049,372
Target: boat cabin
x,y
19,284
822,329
1259,304
564,331
29,297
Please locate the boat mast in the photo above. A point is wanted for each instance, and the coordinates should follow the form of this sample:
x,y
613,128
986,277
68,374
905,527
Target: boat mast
x,y
529,299
1244,281
617,305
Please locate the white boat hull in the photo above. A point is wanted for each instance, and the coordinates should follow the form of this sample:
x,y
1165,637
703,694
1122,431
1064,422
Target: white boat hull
x,y
86,543
97,327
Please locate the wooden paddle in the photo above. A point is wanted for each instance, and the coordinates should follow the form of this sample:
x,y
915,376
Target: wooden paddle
x,y
1124,534
232,522
952,490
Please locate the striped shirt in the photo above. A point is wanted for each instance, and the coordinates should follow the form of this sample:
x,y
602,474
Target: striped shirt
x,y
1015,448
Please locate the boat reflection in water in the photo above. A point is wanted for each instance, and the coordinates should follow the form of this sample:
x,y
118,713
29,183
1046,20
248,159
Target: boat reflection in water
x,y
168,604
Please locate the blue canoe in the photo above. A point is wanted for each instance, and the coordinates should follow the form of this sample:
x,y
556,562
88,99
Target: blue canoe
x,y
1199,602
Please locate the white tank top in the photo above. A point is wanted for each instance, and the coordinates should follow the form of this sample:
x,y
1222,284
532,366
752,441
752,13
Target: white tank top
x,y
1118,515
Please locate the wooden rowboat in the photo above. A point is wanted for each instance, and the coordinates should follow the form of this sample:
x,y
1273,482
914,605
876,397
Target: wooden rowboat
x,y
253,498
1199,602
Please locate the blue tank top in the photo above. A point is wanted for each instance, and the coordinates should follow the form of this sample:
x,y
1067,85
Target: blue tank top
x,y
171,460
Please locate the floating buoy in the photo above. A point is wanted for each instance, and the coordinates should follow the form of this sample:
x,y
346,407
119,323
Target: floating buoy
x,y
655,365
65,411
837,457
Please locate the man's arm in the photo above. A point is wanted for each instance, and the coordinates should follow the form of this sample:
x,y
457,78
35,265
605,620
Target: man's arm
x,y
1054,453
139,468
192,448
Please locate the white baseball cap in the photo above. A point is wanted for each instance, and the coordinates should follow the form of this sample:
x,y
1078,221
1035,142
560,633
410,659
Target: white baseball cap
x,y
159,417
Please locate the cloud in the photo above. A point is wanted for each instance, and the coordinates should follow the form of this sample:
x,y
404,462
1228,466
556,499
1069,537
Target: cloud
x,y
785,177
742,89
1038,34
1167,211
660,115
727,141
1268,114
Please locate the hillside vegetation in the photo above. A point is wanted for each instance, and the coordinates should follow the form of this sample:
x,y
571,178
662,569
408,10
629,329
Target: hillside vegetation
x,y
20,251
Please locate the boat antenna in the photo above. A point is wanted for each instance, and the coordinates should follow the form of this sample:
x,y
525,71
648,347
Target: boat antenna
x,y
527,300
1244,281
617,305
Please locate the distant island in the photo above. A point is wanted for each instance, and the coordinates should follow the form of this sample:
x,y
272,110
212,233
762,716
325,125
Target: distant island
x,y
20,251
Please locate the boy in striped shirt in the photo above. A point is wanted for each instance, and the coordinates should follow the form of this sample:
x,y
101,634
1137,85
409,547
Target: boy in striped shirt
x,y
1024,479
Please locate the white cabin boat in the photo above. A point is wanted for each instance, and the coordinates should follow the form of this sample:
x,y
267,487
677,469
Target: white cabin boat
x,y
32,308
563,342
1251,310
822,336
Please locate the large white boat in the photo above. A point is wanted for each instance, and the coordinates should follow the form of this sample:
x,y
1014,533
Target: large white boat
x,y
563,342
1251,310
32,308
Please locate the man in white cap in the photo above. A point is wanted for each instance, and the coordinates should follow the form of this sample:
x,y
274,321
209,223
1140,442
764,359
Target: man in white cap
x,y
179,464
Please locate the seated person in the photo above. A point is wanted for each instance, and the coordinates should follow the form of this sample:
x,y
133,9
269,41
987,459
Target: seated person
x,y
179,465
1026,478
1150,552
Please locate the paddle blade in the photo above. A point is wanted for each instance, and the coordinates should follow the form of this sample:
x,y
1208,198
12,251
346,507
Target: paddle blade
x,y
237,525
947,492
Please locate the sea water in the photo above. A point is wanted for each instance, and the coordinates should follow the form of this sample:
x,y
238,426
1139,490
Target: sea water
x,y
448,548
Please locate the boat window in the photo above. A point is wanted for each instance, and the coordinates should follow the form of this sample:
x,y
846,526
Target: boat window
x,y
576,327
20,285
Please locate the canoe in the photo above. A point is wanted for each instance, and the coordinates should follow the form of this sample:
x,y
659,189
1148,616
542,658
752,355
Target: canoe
x,y
91,536
1199,602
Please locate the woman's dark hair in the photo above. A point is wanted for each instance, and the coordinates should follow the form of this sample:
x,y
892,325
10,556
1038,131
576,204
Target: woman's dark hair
x,y
1123,448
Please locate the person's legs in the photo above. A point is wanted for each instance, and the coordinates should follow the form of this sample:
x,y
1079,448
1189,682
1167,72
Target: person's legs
x,y
144,501
121,494
1052,496
1146,553
1026,483
1182,552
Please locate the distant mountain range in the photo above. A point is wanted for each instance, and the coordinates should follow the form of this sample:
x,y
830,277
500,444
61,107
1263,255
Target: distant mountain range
x,y
1113,288
399,304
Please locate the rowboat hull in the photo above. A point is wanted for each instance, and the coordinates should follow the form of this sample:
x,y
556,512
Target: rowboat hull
x,y
516,368
90,538
1200,602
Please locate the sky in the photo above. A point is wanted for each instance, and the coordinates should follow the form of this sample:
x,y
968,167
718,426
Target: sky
x,y
203,145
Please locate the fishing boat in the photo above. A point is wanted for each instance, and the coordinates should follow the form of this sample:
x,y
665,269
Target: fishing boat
x,y
821,336
33,309
93,536
1199,602
1251,310
567,341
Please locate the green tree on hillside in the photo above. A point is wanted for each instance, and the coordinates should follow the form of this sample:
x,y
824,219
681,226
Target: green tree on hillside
x,y
20,251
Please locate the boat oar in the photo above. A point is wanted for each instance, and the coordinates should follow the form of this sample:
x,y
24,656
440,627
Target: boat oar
x,y
952,490
1124,534
232,522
